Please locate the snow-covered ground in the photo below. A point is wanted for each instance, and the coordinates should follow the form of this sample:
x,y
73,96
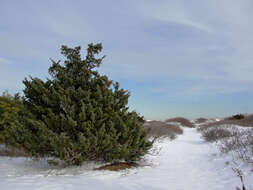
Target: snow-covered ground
x,y
183,164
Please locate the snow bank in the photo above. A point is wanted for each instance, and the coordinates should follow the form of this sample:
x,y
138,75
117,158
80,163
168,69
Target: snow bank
x,y
183,164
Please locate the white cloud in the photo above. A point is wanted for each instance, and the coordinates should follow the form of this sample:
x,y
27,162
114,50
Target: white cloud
x,y
175,12
145,40
4,61
227,44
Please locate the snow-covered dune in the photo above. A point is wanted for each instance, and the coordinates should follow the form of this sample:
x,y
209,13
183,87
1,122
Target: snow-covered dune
x,y
183,164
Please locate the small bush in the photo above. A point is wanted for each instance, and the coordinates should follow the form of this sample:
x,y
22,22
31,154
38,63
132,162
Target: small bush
x,y
183,121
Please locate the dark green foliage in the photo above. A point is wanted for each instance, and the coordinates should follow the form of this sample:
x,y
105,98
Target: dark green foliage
x,y
237,117
80,115
10,106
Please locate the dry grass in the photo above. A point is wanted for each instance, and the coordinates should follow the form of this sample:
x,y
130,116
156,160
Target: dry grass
x,y
161,129
117,166
183,121
11,152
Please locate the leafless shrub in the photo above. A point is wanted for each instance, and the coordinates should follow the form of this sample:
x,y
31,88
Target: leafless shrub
x,y
231,138
161,129
231,144
241,144
240,175
215,134
234,137
183,121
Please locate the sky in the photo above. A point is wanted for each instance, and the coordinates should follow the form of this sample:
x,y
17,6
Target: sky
x,y
176,58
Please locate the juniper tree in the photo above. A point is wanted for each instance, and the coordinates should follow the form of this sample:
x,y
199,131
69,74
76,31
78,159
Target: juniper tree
x,y
79,114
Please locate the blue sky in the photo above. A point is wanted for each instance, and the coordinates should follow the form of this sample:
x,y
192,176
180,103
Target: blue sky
x,y
177,58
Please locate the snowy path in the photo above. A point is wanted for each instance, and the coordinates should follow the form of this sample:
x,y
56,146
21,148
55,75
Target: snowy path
x,y
183,164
